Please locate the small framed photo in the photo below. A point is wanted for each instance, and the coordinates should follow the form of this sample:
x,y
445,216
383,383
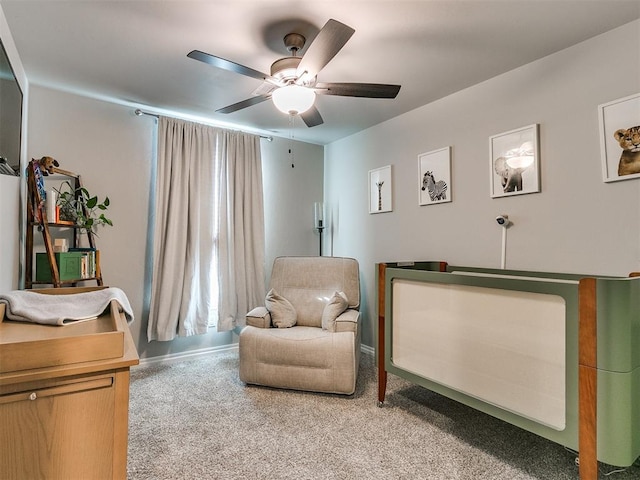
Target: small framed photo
x,y
515,162
434,180
380,190
620,138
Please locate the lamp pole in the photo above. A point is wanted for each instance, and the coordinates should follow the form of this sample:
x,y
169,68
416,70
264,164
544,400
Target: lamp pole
x,y
318,221
320,229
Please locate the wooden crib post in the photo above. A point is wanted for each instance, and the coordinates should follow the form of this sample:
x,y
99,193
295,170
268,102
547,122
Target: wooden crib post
x,y
587,380
382,372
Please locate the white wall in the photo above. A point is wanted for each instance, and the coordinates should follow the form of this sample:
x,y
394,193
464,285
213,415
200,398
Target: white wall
x,y
113,151
576,224
11,188
289,197
9,238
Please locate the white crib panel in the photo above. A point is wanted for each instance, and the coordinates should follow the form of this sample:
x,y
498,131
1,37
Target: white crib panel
x,y
503,347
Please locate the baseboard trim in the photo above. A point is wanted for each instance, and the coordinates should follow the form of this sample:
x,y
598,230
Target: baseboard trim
x,y
367,349
182,356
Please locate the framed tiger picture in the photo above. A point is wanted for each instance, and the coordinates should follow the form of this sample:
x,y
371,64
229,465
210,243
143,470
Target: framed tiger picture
x,y
620,138
434,177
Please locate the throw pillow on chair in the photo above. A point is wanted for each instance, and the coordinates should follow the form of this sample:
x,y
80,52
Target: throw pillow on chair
x,y
283,314
338,303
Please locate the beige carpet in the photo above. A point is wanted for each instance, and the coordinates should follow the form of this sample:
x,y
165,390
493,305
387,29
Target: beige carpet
x,y
196,420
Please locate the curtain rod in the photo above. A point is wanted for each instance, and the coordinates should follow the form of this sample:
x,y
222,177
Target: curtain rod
x,y
139,113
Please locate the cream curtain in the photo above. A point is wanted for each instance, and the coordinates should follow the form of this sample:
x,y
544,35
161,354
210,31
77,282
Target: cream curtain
x,y
202,223
240,227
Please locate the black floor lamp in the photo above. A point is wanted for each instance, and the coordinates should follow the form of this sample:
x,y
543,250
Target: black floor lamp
x,y
318,221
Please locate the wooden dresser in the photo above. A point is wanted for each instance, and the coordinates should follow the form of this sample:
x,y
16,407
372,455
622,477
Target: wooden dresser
x,y
64,398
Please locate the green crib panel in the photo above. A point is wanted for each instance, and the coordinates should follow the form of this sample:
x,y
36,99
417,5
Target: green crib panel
x,y
618,417
618,303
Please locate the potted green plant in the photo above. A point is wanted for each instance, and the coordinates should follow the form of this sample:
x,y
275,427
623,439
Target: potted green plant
x,y
77,205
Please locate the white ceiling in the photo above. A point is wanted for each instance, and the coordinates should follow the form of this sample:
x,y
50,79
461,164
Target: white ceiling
x,y
135,51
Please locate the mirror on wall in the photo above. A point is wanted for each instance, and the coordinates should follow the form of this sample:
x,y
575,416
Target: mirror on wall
x,y
10,117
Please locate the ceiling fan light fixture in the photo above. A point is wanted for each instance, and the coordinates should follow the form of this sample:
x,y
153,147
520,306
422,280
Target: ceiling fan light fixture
x,y
293,99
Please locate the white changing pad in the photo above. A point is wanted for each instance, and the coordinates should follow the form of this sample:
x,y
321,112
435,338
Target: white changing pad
x,y
30,306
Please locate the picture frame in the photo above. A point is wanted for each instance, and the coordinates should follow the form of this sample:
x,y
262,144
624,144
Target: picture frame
x,y
514,162
380,190
434,177
621,114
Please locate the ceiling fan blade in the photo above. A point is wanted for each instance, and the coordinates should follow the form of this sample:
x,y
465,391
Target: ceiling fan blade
x,y
230,66
312,117
329,41
244,104
368,90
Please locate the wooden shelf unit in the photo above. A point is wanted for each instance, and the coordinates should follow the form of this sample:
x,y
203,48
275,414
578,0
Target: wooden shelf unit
x,y
37,218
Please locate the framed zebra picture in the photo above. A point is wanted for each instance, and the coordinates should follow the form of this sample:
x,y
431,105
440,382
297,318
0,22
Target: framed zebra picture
x,y
380,190
514,162
434,179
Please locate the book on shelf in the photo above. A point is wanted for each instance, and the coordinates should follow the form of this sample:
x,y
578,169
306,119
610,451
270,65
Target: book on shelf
x,y
52,207
88,268
38,180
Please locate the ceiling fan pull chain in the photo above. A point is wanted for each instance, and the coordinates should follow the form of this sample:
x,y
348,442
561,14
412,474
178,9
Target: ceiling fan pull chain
x,y
291,154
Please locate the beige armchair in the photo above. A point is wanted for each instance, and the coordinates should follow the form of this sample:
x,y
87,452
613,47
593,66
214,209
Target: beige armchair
x,y
317,353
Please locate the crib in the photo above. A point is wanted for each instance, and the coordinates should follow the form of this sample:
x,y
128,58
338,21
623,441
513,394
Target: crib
x,y
555,354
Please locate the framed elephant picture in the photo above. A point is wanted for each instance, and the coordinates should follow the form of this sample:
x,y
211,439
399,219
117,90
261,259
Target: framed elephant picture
x,y
515,162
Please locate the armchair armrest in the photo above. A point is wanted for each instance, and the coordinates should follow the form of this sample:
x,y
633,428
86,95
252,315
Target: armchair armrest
x,y
259,317
347,321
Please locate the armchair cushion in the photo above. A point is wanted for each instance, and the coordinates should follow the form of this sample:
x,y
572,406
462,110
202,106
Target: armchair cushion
x,y
309,282
282,312
338,303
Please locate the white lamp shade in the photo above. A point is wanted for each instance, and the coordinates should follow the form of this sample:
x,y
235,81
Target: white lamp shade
x,y
293,99
318,214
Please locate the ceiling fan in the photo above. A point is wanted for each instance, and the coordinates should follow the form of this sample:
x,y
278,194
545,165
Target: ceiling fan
x,y
292,84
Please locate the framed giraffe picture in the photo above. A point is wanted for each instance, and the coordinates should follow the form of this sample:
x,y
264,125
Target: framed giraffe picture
x,y
380,190
434,180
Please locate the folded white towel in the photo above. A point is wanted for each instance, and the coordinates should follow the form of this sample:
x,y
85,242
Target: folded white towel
x,y
30,306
